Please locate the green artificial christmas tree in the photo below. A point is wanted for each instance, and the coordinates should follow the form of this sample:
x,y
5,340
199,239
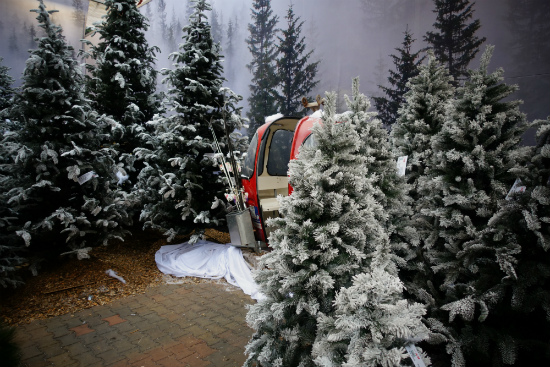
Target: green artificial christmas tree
x,y
63,183
180,185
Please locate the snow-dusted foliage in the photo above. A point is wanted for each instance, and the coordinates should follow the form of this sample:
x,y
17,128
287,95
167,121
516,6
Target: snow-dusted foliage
x,y
515,278
330,230
389,189
371,324
421,117
181,186
10,245
475,161
122,78
59,143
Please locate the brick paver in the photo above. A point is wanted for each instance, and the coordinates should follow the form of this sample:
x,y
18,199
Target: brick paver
x,y
191,325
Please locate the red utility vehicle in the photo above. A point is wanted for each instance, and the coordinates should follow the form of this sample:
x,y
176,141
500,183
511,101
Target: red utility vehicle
x,y
264,174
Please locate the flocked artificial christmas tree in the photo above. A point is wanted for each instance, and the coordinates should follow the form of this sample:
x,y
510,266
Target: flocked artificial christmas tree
x,y
475,162
122,79
330,230
390,190
514,279
420,118
181,185
64,176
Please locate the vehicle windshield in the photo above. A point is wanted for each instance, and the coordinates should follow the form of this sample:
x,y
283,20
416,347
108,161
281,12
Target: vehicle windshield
x,y
248,167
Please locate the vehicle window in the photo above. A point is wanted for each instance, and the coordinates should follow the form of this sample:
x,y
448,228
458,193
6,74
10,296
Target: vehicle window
x,y
261,154
310,141
279,153
248,167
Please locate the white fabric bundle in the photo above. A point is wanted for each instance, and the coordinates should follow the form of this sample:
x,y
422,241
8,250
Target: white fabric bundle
x,y
209,260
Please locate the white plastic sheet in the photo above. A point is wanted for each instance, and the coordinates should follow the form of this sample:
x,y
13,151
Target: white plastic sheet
x,y
209,260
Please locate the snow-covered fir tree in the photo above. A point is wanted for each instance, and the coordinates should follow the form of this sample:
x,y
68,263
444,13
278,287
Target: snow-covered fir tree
x,y
295,73
475,160
180,185
454,41
122,80
421,117
64,194
261,44
330,228
406,66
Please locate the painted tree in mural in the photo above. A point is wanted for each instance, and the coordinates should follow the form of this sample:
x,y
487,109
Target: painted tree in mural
x,y
406,66
62,184
180,186
454,41
295,73
261,44
6,87
529,48
476,159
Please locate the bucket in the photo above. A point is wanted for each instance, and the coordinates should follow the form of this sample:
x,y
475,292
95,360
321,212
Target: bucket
x,y
240,229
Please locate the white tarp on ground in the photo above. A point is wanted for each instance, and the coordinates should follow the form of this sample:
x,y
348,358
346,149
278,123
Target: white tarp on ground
x,y
208,260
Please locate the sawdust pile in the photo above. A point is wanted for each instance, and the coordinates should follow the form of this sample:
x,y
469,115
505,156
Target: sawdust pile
x,y
71,285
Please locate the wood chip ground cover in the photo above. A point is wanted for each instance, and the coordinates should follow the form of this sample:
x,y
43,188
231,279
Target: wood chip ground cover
x,y
73,285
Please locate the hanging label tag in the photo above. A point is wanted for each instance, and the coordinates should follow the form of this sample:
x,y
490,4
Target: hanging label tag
x,y
86,177
516,188
415,356
402,165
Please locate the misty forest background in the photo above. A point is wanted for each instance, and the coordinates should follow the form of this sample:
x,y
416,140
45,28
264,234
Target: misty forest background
x,y
364,262
354,38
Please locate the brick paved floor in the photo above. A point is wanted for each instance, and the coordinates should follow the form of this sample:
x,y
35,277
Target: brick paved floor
x,y
170,325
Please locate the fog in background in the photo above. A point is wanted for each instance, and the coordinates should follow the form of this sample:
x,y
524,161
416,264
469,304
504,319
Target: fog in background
x,y
351,38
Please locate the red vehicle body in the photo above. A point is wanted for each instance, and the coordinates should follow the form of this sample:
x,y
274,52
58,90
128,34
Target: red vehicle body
x,y
264,174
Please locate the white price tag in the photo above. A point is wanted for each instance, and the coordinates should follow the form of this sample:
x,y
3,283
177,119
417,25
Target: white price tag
x,y
415,356
516,188
402,165
86,177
